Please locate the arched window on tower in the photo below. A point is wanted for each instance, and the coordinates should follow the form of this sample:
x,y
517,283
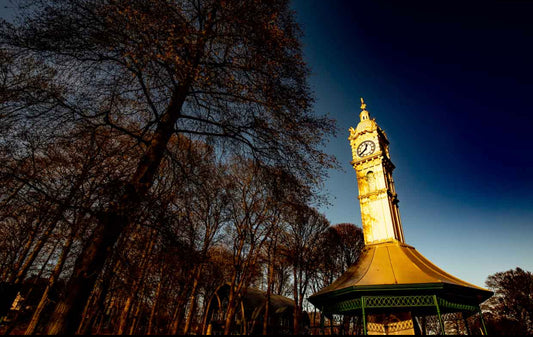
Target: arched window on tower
x,y
371,181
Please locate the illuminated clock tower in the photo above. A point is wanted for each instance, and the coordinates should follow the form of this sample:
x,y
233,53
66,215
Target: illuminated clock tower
x,y
373,167
391,287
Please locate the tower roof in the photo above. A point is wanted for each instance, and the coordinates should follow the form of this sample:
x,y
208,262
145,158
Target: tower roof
x,y
398,267
366,124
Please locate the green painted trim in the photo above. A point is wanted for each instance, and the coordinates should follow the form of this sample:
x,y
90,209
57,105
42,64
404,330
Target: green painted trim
x,y
344,306
482,322
438,314
380,302
364,315
384,301
380,287
474,295
399,301
458,306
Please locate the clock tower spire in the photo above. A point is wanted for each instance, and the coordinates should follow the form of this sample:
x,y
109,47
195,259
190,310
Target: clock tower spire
x,y
377,195
364,114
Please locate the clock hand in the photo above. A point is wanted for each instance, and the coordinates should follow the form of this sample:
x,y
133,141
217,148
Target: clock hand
x,y
364,149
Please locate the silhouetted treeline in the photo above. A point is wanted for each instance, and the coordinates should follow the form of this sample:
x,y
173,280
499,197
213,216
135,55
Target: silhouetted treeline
x,y
151,152
204,223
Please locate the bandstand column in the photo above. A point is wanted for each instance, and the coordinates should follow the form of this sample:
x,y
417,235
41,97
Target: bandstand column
x,y
363,314
438,314
482,321
322,320
465,318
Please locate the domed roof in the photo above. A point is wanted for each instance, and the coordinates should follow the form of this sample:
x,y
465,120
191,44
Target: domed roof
x,y
366,125
398,266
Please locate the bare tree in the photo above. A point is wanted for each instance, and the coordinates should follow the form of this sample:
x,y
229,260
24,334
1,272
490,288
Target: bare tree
x,y
224,71
511,307
302,240
253,218
341,247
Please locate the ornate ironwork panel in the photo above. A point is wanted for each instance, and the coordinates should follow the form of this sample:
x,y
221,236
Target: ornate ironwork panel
x,y
457,306
344,306
399,301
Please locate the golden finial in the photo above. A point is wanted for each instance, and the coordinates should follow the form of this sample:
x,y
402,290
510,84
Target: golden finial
x,y
363,105
364,114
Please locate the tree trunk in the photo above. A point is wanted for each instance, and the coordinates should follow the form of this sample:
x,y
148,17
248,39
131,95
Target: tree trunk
x,y
270,276
244,323
192,299
233,300
230,313
124,315
156,300
178,312
30,330
98,322
137,283
45,263
96,304
15,320
205,317
230,310
22,256
154,306
67,315
135,320
68,312
296,314
20,274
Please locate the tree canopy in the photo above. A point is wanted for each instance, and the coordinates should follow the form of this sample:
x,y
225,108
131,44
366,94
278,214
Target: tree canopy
x,y
227,74
511,308
225,71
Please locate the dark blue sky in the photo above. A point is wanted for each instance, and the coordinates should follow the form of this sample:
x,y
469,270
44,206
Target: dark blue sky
x,y
451,84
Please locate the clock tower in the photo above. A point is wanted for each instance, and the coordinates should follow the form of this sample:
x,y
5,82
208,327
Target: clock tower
x,y
377,195
391,286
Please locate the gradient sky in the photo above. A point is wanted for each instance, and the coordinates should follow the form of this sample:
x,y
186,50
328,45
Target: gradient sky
x,y
452,86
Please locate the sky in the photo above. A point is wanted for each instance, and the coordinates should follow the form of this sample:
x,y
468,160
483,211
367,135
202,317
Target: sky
x,y
451,84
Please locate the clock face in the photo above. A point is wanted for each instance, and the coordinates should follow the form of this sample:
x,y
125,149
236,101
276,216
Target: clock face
x,y
366,148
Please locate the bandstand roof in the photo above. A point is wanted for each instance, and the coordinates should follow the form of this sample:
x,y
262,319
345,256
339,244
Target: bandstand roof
x,y
397,267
